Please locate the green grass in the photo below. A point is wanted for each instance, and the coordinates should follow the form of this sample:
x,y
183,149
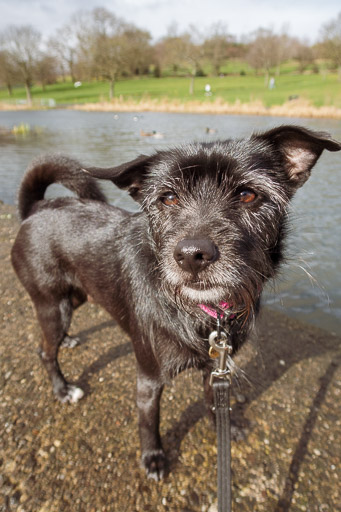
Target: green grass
x,y
319,90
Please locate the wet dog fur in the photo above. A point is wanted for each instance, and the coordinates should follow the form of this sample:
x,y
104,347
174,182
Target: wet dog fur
x,y
210,231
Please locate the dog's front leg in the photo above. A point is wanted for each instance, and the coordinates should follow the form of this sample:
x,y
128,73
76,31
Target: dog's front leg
x,y
149,390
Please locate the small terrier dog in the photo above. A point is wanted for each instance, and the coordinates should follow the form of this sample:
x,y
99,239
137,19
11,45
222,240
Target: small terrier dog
x,y
209,235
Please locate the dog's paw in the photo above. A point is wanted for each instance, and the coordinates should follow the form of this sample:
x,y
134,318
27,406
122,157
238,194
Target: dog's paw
x,y
155,464
70,341
70,393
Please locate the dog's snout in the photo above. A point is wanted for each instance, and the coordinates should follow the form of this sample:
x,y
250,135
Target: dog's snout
x,y
193,255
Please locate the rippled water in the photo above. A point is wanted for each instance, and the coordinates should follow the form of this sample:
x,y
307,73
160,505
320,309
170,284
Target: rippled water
x,y
309,287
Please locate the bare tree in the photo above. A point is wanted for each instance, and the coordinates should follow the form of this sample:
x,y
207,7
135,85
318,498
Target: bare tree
x,y
170,52
64,46
193,53
22,46
283,48
46,71
8,72
182,51
138,51
304,54
102,45
331,42
268,51
260,55
217,46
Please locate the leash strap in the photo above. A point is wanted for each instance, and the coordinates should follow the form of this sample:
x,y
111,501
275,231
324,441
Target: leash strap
x,y
220,380
221,390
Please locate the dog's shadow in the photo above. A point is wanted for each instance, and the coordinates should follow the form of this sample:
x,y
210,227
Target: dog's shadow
x,y
83,336
269,364
115,352
277,353
279,349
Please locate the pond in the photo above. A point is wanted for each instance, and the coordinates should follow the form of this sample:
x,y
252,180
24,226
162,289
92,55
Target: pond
x,y
309,285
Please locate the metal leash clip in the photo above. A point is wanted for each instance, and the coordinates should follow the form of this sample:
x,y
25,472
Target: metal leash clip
x,y
220,347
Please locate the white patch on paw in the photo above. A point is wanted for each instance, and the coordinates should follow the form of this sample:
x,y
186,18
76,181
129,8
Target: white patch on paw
x,y
154,463
74,394
70,341
156,476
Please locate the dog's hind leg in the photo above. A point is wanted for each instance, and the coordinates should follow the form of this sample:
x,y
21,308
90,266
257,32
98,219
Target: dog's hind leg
x,y
78,298
54,318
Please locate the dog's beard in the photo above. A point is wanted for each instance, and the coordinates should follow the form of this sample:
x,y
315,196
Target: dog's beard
x,y
199,293
190,295
233,279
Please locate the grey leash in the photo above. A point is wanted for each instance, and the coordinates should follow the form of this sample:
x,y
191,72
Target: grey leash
x,y
222,407
221,382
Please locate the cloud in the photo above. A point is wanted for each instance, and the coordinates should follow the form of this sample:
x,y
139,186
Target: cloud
x,y
304,18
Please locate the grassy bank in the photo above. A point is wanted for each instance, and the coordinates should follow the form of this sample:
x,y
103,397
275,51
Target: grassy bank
x,y
237,94
295,108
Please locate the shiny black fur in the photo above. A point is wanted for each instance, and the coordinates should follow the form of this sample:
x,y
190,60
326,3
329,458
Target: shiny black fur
x,y
211,230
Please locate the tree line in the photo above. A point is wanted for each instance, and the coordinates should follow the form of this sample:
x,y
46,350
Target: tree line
x,y
97,45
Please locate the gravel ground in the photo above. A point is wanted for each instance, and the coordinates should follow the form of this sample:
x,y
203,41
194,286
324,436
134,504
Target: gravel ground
x,y
85,457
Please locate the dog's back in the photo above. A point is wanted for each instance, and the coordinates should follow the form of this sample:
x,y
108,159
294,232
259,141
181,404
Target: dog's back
x,y
60,238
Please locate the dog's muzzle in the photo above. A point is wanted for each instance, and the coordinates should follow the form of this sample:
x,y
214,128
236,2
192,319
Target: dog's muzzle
x,y
195,254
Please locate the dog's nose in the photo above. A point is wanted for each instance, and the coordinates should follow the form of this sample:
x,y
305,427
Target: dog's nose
x,y
193,254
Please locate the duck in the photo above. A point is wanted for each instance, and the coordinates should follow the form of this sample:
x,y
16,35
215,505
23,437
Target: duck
x,y
155,134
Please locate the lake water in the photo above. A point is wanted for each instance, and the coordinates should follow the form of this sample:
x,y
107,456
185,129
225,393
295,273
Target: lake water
x,y
105,139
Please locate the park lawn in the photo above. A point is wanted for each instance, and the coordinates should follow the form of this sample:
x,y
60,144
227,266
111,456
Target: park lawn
x,y
318,89
315,88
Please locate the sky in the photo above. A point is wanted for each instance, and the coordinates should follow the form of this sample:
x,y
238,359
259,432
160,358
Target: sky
x,y
300,18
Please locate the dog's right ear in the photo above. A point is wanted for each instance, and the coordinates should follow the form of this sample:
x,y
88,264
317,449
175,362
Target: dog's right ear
x,y
129,175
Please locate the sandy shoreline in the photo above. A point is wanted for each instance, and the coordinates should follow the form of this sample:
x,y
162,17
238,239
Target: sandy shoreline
x,y
295,108
85,457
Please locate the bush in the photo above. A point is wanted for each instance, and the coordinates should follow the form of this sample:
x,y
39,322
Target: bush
x,y
200,72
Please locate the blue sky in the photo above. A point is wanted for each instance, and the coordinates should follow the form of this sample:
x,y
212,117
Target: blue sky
x,y
302,18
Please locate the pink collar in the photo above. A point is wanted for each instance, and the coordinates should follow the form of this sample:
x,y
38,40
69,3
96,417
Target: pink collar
x,y
212,312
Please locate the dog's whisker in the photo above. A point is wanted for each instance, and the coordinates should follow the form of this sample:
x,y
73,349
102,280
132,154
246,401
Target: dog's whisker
x,y
312,279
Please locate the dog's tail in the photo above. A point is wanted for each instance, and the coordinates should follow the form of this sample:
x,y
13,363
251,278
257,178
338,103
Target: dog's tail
x,y
49,169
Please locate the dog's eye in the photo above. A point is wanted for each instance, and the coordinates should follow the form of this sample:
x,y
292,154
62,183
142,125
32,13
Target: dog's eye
x,y
170,199
247,196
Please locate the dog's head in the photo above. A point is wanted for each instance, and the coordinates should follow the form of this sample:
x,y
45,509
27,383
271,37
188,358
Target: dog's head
x,y
217,211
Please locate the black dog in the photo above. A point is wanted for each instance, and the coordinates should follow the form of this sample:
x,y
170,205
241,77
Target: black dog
x,y
209,235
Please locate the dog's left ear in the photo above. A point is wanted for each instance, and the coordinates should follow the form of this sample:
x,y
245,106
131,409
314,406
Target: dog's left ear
x,y
300,149
129,175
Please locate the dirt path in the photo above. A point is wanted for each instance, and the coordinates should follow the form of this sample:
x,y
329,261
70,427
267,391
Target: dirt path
x,y
85,458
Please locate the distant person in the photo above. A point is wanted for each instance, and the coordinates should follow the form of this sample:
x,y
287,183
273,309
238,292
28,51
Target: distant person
x,y
271,83
208,91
